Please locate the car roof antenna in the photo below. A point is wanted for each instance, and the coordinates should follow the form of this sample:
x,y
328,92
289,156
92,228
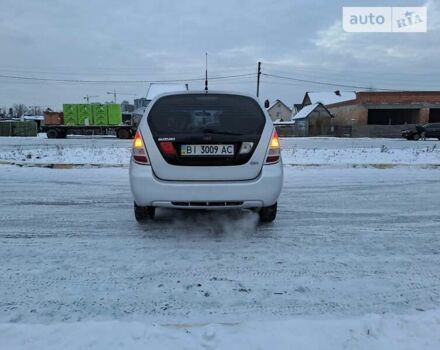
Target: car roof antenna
x,y
206,72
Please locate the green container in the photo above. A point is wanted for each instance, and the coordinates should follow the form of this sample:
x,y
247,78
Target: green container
x,y
18,128
70,114
5,128
114,114
85,115
99,114
28,128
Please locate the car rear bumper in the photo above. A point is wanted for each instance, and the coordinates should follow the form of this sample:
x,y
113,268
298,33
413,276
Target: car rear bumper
x,y
148,190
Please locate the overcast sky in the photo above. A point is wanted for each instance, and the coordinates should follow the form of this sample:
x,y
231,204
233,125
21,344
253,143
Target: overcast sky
x,y
161,40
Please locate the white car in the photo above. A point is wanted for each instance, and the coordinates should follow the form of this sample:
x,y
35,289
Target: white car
x,y
206,150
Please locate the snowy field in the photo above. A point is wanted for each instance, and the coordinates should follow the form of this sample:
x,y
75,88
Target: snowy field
x,y
296,151
352,261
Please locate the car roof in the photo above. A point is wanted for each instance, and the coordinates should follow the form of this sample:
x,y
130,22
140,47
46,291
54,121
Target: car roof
x,y
203,92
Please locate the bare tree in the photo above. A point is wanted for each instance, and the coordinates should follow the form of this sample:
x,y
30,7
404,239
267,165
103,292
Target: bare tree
x,y
34,110
19,109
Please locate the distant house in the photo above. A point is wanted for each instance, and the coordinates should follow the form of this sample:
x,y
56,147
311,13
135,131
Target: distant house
x,y
279,111
313,120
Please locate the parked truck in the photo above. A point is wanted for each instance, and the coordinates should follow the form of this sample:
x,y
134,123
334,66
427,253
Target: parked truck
x,y
88,119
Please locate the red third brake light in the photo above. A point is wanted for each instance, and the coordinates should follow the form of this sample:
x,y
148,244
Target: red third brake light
x,y
274,152
139,151
168,148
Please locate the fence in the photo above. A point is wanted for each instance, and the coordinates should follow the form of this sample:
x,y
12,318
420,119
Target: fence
x,y
380,131
18,128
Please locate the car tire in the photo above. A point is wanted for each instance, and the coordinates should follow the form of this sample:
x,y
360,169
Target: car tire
x,y
416,137
143,214
268,214
123,134
52,134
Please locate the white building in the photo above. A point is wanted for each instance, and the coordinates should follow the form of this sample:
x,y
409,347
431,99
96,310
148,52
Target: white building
x,y
279,111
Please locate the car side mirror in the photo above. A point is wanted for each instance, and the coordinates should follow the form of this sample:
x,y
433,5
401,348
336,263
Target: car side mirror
x,y
266,104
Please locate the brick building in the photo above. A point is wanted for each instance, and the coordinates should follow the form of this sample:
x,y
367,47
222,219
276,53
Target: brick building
x,y
388,108
383,114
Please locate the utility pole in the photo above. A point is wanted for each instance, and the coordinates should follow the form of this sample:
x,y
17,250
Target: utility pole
x,y
258,78
88,97
206,72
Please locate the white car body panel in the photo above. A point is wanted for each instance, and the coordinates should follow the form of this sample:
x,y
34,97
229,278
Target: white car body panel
x,y
162,184
148,190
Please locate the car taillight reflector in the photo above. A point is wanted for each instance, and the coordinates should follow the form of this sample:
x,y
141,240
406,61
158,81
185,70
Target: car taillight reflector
x,y
275,141
274,151
139,151
167,148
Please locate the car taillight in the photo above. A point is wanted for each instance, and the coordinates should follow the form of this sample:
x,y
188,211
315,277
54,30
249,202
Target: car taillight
x,y
139,152
167,148
274,152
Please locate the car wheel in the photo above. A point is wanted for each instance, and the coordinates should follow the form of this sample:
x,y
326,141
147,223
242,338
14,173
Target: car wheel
x,y
52,134
268,214
123,134
416,137
143,214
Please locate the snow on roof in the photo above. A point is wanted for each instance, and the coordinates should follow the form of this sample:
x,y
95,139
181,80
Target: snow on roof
x,y
156,89
33,117
278,101
328,98
283,123
305,111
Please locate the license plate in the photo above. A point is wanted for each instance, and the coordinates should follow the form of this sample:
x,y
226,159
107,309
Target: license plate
x,y
207,150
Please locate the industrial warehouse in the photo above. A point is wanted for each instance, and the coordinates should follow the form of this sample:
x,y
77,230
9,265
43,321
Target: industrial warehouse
x,y
361,114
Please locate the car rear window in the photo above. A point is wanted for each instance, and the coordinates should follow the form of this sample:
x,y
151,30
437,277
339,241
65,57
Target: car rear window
x,y
198,113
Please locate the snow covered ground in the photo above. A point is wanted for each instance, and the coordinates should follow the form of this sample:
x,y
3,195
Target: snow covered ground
x,y
296,151
379,332
352,261
73,150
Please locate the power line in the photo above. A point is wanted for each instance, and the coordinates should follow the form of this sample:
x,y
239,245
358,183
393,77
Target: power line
x,y
111,70
185,72
348,77
340,70
121,81
324,83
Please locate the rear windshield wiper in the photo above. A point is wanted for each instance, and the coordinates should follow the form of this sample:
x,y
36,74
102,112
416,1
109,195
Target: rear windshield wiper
x,y
221,132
